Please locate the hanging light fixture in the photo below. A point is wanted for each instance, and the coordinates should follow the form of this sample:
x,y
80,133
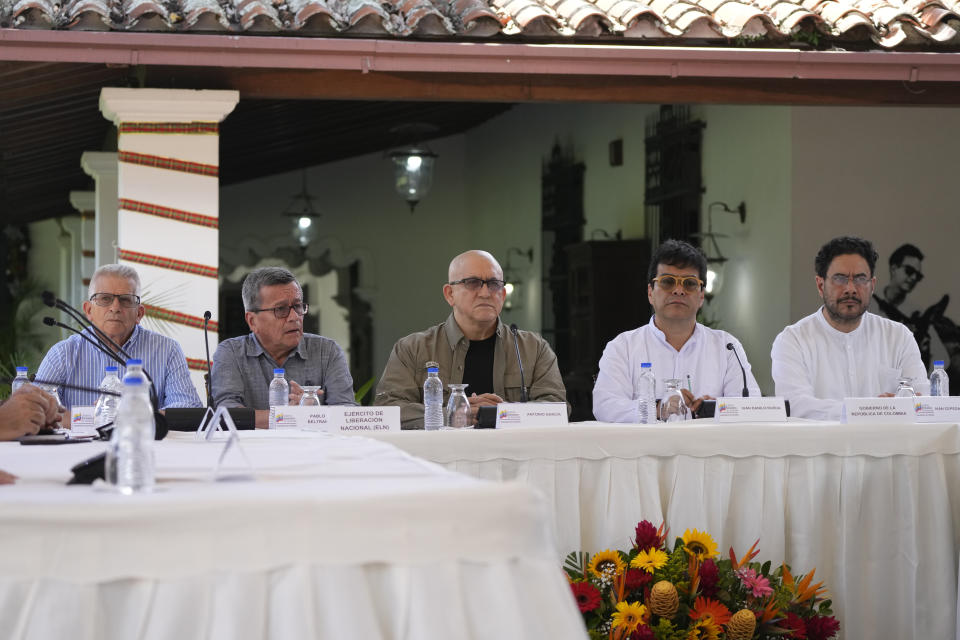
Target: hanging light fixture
x,y
305,218
514,278
413,163
715,258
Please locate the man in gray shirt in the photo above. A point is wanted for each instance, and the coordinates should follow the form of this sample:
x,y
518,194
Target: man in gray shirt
x,y
243,367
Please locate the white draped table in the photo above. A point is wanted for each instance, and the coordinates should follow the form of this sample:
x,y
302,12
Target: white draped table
x,y
336,538
875,508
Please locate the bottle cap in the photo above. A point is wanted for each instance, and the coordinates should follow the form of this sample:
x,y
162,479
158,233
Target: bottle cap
x,y
135,362
432,369
645,365
936,363
23,369
111,369
276,371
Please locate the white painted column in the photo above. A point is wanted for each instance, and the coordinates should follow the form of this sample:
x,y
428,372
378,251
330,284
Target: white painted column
x,y
102,167
168,192
86,204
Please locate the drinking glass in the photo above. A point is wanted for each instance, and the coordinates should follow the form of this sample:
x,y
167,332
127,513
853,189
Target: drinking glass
x,y
672,406
310,398
457,415
905,388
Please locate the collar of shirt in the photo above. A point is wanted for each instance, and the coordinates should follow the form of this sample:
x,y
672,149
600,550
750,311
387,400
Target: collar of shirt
x,y
126,346
841,335
255,349
662,337
455,335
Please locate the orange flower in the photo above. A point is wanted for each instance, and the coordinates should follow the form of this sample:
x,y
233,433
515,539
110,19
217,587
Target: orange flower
x,y
707,608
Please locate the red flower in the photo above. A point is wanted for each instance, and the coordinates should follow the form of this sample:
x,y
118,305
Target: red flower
x,y
637,579
795,625
709,576
587,595
647,536
643,632
822,627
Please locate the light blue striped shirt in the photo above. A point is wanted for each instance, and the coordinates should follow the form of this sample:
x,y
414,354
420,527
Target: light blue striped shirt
x,y
76,361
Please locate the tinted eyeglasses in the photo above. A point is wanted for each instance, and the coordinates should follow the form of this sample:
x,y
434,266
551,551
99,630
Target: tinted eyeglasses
x,y
283,310
127,300
475,284
667,282
841,279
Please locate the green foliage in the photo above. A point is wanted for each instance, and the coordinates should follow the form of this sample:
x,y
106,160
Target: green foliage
x,y
575,565
665,630
20,341
364,389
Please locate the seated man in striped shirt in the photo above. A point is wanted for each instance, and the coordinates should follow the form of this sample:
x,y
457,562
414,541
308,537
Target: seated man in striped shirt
x,y
114,308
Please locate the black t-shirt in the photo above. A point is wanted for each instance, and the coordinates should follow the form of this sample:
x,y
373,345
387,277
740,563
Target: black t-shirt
x,y
478,366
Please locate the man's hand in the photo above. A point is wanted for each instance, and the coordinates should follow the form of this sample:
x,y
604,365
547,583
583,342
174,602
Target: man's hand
x,y
484,400
296,392
885,395
7,478
27,411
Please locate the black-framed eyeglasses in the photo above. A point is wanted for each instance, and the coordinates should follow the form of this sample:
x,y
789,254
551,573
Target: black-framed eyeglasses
x,y
842,279
475,284
913,272
283,310
668,282
127,300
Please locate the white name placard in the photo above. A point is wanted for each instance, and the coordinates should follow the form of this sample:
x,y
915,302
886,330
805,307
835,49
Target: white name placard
x,y
81,420
531,414
936,409
770,409
874,410
339,419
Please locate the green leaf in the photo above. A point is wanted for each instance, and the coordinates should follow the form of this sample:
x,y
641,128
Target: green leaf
x,y
574,563
765,569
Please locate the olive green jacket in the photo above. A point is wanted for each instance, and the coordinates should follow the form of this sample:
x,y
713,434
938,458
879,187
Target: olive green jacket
x,y
402,381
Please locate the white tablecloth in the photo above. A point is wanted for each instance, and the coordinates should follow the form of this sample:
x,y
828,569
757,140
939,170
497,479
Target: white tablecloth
x,y
875,508
337,538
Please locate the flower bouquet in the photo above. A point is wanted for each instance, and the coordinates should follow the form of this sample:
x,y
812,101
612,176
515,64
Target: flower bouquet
x,y
653,592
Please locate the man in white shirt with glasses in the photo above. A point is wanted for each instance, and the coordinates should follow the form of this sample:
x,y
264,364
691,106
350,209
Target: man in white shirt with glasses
x,y
842,350
675,344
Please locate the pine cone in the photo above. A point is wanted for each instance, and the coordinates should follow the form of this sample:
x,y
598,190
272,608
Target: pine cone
x,y
664,599
741,625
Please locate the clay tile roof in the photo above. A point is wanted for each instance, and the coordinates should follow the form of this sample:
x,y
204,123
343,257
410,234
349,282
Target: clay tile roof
x,y
864,24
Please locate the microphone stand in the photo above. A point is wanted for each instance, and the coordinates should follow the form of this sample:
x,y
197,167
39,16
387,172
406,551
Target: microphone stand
x,y
206,343
743,372
523,385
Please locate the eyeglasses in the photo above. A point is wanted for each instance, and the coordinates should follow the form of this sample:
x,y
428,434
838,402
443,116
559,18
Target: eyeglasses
x,y
667,282
475,284
283,310
913,272
842,279
127,300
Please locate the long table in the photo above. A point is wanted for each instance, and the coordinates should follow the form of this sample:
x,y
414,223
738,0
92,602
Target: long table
x,y
875,508
335,538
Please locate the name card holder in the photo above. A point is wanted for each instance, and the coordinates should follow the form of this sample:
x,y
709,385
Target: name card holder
x,y
211,424
339,419
878,410
531,414
770,409
936,409
81,420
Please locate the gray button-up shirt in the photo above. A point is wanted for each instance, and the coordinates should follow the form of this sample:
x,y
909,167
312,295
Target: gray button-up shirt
x,y
242,371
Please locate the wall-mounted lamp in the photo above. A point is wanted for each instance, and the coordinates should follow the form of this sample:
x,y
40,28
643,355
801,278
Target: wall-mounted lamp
x,y
715,258
514,279
413,163
305,218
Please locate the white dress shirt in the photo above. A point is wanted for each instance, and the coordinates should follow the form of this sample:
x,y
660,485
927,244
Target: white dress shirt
x,y
712,368
816,366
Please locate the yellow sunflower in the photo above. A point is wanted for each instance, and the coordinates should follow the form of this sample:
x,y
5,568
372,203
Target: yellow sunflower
x,y
704,629
700,543
606,563
629,616
650,560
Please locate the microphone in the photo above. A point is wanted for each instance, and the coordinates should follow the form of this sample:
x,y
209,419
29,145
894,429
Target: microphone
x,y
523,384
743,372
206,343
51,300
50,322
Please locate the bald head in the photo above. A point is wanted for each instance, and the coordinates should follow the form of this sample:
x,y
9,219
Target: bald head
x,y
471,264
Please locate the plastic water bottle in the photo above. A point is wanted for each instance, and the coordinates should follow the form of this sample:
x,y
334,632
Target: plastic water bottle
x,y
432,399
20,380
279,395
105,411
646,395
130,464
939,380
134,370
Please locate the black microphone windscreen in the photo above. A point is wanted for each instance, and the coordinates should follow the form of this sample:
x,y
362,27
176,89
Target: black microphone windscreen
x,y
207,315
49,299
513,328
50,322
730,346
